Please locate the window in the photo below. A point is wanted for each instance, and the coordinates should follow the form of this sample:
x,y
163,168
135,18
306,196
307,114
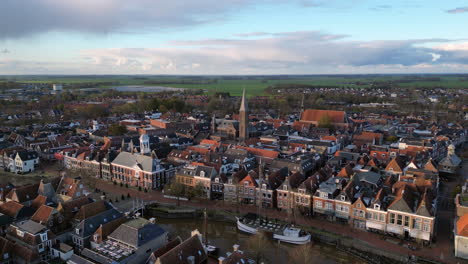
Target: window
x,y
417,223
358,205
377,206
343,198
382,218
329,206
40,247
318,204
392,218
20,233
369,216
399,220
407,221
77,231
426,228
44,237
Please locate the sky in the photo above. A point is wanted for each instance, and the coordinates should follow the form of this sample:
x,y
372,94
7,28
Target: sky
x,y
241,37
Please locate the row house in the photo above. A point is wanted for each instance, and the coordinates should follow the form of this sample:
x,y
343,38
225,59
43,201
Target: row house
x,y
412,213
204,176
365,186
303,196
354,199
231,186
23,161
376,212
266,190
140,170
247,188
324,197
286,192
33,241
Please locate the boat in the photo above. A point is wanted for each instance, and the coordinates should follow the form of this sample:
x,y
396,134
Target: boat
x,y
210,249
253,224
293,235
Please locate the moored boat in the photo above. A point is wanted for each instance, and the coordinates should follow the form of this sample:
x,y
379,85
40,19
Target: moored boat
x,y
293,235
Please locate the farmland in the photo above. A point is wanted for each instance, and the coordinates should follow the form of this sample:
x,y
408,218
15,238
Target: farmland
x,y
256,85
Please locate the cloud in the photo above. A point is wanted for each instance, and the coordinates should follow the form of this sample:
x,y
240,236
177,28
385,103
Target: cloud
x,y
252,34
4,51
283,53
381,8
458,10
20,18
25,18
298,52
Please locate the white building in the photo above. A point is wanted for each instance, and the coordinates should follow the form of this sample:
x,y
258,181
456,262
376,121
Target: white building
x,y
24,161
461,237
57,87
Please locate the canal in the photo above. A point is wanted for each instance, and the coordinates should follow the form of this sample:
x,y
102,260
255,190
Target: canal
x,y
224,235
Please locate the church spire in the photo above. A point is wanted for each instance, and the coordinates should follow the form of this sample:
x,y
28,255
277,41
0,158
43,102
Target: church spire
x,y
243,106
243,119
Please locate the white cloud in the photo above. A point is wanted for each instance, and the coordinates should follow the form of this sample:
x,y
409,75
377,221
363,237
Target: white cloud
x,y
305,52
458,10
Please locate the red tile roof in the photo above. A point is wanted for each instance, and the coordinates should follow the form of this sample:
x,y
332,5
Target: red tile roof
x,y
11,208
314,115
462,225
42,214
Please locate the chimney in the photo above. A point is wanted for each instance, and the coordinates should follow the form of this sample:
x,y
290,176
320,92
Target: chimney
x,y
152,220
235,247
221,260
191,260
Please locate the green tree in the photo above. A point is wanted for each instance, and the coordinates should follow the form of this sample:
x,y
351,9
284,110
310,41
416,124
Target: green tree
x,y
176,189
325,122
196,192
117,130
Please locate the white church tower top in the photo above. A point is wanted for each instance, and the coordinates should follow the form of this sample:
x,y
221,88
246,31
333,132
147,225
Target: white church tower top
x,y
144,144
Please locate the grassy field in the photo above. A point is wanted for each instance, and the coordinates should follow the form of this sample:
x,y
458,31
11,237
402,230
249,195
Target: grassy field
x,y
255,85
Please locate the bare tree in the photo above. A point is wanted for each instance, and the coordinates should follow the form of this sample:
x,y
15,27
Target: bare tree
x,y
258,245
303,254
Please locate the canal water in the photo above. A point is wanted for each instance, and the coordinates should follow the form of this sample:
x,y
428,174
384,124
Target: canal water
x,y
224,235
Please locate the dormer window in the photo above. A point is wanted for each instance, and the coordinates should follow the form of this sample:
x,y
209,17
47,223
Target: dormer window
x,y
285,187
77,231
343,198
20,233
246,184
377,206
263,186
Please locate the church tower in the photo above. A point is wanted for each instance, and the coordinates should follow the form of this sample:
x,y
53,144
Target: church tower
x,y
144,144
243,119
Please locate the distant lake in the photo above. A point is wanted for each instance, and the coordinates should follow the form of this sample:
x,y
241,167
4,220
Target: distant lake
x,y
139,88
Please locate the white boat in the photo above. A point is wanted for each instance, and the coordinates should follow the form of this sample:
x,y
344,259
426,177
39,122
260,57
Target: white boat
x,y
293,235
251,229
284,233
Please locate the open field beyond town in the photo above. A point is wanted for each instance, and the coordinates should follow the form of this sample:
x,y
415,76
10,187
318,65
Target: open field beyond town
x,y
255,85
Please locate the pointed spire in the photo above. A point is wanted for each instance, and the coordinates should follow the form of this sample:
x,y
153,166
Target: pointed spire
x,y
243,106
302,102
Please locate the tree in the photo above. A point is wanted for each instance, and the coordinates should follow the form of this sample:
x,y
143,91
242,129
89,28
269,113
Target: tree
x,y
176,189
303,254
196,191
258,246
325,122
117,130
